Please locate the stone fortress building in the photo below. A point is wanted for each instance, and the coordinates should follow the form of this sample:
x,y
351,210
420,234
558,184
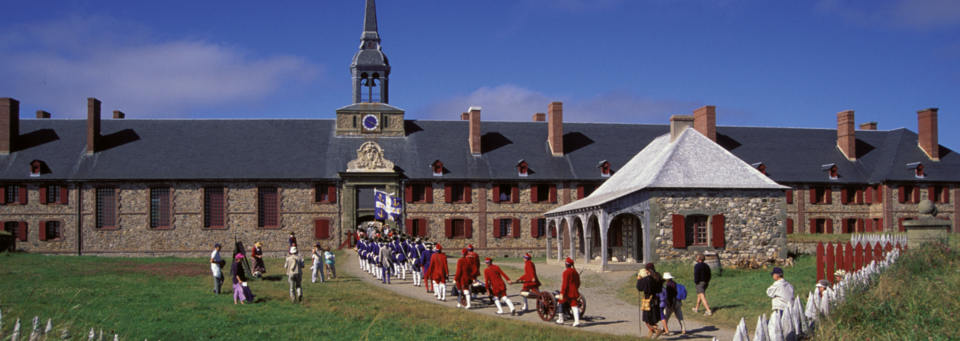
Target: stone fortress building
x,y
174,187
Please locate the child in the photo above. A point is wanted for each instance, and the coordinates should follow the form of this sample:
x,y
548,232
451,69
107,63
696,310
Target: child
x,y
675,294
330,260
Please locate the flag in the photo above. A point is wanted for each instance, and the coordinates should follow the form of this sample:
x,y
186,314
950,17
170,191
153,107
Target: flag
x,y
394,208
381,198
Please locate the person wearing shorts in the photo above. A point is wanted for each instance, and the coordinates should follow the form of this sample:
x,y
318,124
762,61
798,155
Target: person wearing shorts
x,y
701,276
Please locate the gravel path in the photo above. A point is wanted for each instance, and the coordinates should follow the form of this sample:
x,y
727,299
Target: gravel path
x,y
605,312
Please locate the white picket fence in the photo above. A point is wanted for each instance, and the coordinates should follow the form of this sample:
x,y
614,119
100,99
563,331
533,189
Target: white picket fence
x,y
39,333
872,239
798,321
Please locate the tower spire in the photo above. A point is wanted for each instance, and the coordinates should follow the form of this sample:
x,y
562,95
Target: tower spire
x,y
370,23
370,67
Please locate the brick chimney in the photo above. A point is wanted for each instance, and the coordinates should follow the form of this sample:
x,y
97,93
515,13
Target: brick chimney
x,y
846,134
93,124
465,116
9,124
928,133
555,129
868,126
118,115
539,117
42,114
705,121
474,113
679,123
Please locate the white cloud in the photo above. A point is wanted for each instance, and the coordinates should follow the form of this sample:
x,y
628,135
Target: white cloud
x,y
512,103
58,65
911,14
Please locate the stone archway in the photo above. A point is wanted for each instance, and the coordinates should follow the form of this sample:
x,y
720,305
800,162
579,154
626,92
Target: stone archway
x,y
625,239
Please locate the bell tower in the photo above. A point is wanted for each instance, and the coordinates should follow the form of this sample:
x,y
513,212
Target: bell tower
x,y
370,70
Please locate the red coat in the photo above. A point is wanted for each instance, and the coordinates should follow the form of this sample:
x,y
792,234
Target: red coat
x,y
529,278
438,268
464,267
570,287
476,264
492,275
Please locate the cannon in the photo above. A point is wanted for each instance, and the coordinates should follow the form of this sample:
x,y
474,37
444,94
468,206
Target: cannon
x,y
476,288
547,303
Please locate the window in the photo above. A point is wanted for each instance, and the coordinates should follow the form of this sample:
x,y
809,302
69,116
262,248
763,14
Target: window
x,y
604,169
415,228
543,193
422,193
268,207
696,230
53,194
522,168
213,207
13,227
12,195
849,196
908,194
106,208
584,191
437,168
505,192
849,226
506,228
938,194
459,228
540,227
819,226
53,231
877,225
456,193
159,208
419,193
820,195
325,193
386,121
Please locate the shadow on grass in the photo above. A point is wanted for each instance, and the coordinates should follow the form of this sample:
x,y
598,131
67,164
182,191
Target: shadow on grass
x,y
727,306
274,278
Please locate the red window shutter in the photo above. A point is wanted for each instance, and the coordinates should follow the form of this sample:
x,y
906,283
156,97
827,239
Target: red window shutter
x,y
496,228
447,194
789,226
931,194
318,229
813,226
860,226
467,194
43,230
813,195
3,195
424,230
946,195
679,228
448,228
23,231
428,192
901,195
408,224
408,193
533,193
533,228
553,194
829,224
900,224
879,194
789,196
468,228
515,194
916,195
843,196
23,195
845,225
859,196
496,193
718,225
828,196
332,194
868,195
516,228
43,194
868,225
579,192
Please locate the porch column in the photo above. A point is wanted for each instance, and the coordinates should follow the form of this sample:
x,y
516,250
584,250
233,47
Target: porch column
x,y
549,240
604,227
571,228
588,240
559,239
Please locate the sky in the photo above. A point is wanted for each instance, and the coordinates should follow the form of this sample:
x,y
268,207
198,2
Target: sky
x,y
762,63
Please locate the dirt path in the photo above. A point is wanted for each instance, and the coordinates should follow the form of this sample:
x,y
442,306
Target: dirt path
x,y
605,312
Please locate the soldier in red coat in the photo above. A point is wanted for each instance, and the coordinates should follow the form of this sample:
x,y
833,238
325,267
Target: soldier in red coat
x,y
475,262
439,273
493,276
461,279
529,278
569,293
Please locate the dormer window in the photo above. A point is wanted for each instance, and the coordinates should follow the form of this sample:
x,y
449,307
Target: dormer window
x,y
917,169
832,168
604,168
36,166
762,168
437,168
522,169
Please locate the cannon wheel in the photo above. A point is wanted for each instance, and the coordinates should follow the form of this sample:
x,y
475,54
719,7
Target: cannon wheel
x,y
546,306
582,304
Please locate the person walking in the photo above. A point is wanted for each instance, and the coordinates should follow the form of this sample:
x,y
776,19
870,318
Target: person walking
x,y
529,278
257,254
701,277
650,284
241,291
569,292
331,260
675,294
439,273
294,266
493,277
293,239
461,278
317,259
216,265
781,291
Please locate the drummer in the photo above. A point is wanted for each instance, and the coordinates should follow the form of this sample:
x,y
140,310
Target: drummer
x,y
461,279
529,278
493,277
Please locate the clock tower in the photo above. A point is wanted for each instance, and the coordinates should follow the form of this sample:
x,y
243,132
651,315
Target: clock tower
x,y
370,114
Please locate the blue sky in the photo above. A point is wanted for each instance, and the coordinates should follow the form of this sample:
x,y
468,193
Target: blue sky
x,y
762,63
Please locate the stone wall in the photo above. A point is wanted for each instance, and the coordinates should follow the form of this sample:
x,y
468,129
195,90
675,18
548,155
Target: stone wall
x,y
33,213
753,222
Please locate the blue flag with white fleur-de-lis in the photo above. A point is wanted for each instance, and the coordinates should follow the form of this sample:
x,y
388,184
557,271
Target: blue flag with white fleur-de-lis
x,y
381,211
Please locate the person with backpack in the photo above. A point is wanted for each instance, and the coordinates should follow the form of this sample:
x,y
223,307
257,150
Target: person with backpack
x,y
674,294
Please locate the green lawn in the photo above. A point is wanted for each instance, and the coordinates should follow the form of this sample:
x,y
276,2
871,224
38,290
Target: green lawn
x,y
734,295
170,299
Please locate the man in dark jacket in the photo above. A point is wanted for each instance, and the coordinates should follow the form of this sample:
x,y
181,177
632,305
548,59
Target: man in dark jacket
x,y
701,276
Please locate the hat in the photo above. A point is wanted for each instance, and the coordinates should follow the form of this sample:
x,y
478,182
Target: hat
x,y
569,261
777,271
526,256
470,247
258,244
216,245
649,266
317,244
437,247
823,283
643,273
291,233
667,276
488,260
463,252
293,249
238,256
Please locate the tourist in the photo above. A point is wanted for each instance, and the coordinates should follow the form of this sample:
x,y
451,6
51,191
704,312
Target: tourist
x,y
386,261
493,277
701,277
216,264
675,294
294,266
650,284
823,289
317,259
241,291
569,292
529,278
331,261
461,278
292,239
258,266
439,273
781,291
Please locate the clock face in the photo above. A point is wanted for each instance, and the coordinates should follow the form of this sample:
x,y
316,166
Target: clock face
x,y
370,122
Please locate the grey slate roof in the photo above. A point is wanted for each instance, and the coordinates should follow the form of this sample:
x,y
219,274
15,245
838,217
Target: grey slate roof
x,y
307,149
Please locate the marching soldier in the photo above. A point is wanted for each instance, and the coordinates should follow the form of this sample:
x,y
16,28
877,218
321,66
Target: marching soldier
x,y
493,277
426,257
439,273
529,278
569,293
475,259
416,268
461,279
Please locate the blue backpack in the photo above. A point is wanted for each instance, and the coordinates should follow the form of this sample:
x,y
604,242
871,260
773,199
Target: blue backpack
x,y
681,292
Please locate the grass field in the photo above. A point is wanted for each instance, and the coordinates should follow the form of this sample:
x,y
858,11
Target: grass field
x,y
171,299
734,295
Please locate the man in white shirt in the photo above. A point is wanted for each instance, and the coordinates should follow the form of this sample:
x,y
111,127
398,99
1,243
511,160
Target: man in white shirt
x,y
781,291
215,265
